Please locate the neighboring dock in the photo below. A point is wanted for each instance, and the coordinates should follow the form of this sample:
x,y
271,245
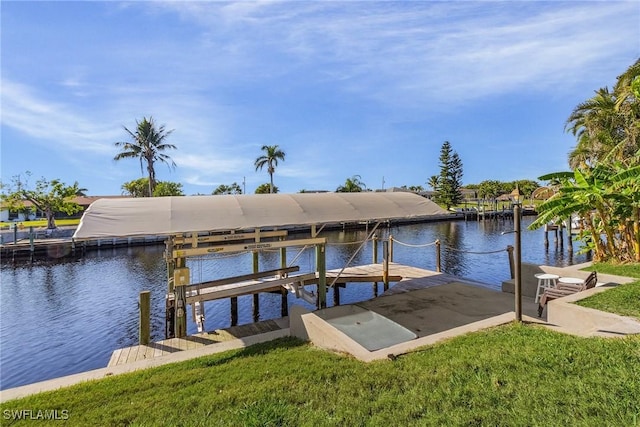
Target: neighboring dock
x,y
60,247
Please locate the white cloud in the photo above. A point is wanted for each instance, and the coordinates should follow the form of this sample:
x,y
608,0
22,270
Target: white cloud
x,y
325,80
208,164
49,121
444,52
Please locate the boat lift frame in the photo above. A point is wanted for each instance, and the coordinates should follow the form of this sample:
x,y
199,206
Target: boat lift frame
x,y
180,290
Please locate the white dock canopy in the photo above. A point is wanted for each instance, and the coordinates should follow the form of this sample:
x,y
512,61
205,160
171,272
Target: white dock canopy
x,y
156,216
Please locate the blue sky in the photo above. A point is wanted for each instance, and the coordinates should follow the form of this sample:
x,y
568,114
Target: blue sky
x,y
344,88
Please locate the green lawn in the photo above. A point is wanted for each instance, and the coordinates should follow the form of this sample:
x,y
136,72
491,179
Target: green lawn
x,y
627,270
510,375
623,300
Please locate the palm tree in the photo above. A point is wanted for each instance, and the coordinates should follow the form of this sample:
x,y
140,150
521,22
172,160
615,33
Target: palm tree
x,y
147,145
270,158
627,91
624,86
266,188
352,185
595,124
606,125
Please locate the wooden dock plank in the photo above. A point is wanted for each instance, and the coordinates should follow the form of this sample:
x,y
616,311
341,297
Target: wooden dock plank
x,y
157,349
124,353
148,353
133,354
113,361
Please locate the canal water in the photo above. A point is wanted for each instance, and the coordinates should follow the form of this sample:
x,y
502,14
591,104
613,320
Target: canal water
x,y
64,316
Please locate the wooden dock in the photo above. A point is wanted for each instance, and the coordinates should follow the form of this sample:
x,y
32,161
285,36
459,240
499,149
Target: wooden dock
x,y
173,345
407,279
60,247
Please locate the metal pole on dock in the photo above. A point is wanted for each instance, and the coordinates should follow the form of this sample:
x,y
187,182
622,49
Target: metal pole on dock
x,y
145,315
518,269
438,256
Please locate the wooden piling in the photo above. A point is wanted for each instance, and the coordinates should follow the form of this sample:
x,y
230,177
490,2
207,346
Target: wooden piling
x,y
375,261
561,238
546,235
31,243
144,332
322,275
385,265
375,249
234,311
390,248
569,237
180,281
256,297
438,256
284,301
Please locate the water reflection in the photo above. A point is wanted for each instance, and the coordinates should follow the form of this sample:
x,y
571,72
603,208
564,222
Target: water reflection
x,y
452,244
345,245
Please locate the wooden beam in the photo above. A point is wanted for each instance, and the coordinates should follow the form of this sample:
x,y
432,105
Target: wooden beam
x,y
321,266
181,253
145,316
256,297
245,288
230,237
242,278
355,279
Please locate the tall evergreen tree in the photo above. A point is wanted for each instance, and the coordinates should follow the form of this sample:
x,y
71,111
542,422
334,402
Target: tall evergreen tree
x,y
450,179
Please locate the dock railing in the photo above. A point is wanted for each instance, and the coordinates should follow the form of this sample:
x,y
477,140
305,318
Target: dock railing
x,y
438,247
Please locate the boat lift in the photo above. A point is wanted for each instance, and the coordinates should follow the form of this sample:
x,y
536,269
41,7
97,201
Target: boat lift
x,y
207,225
181,292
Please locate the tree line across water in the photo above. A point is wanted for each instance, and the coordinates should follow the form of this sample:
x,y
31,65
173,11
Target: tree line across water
x,y
602,189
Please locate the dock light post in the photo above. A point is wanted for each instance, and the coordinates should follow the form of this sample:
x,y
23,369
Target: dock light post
x,y
517,271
